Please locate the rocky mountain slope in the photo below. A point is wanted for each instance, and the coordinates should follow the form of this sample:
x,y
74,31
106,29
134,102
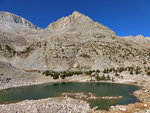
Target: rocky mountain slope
x,y
13,32
77,42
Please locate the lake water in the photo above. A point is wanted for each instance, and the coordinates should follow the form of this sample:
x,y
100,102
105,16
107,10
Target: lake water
x,y
55,89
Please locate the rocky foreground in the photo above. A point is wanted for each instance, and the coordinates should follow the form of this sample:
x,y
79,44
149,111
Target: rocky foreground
x,y
50,105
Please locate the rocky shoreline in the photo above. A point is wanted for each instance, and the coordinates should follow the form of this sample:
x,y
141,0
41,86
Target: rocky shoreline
x,y
143,94
49,105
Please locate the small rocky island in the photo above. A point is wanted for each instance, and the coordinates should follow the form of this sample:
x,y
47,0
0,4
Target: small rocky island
x,y
89,96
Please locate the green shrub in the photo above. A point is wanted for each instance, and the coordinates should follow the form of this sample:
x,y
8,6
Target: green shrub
x,y
85,55
148,73
103,77
106,70
108,77
116,74
131,72
97,78
8,48
113,79
55,77
138,70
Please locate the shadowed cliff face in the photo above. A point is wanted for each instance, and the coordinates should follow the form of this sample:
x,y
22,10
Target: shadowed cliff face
x,y
75,42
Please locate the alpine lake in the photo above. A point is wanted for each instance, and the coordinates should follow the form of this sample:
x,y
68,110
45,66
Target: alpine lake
x,y
56,89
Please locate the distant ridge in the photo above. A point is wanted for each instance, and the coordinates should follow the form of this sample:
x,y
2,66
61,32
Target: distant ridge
x,y
13,18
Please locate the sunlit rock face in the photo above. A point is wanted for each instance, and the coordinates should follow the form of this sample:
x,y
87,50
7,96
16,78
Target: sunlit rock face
x,y
77,22
7,18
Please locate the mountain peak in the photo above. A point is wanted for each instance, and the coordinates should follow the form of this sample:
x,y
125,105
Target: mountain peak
x,y
77,22
79,16
76,13
72,20
13,18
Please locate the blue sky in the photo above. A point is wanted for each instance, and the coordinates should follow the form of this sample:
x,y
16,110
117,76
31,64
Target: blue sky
x,y
125,17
